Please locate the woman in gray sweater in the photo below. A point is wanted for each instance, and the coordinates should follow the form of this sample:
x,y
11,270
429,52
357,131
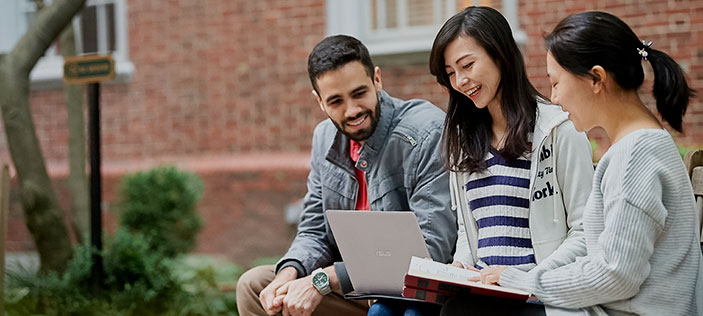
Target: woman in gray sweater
x,y
640,221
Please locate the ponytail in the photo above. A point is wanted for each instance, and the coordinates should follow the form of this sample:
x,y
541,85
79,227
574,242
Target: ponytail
x,y
583,40
670,88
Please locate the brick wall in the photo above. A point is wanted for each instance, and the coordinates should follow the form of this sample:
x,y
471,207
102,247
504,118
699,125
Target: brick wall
x,y
211,77
221,88
222,79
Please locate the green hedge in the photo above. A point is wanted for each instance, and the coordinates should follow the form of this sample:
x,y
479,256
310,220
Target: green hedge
x,y
144,273
138,282
161,204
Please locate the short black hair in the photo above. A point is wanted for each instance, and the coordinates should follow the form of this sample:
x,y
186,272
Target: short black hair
x,y
583,40
335,51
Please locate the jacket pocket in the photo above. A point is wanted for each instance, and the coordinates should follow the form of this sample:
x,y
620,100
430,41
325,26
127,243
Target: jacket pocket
x,y
558,240
389,194
339,182
545,248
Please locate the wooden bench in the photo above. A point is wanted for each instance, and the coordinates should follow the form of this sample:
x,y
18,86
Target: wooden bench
x,y
694,164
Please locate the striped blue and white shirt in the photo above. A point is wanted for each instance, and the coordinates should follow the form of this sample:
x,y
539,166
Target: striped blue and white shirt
x,y
500,204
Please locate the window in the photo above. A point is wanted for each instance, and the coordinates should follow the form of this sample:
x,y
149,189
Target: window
x,y
12,23
97,28
402,26
100,28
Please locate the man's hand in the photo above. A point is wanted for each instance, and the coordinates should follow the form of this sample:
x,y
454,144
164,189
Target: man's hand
x,y
268,295
300,298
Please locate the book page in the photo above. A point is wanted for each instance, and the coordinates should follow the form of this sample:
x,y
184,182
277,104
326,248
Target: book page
x,y
438,268
432,270
458,282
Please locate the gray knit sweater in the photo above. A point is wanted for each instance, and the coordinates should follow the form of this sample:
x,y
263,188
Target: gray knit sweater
x,y
640,225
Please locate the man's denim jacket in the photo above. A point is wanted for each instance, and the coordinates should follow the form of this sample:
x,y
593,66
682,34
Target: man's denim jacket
x,y
404,172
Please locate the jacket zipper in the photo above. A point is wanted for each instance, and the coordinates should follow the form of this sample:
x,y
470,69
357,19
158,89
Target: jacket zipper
x,y
554,171
356,196
534,178
407,137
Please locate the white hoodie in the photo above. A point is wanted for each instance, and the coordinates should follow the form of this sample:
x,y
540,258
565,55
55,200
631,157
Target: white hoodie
x,y
561,174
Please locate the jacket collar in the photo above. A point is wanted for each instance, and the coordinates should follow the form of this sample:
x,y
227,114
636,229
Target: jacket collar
x,y
374,143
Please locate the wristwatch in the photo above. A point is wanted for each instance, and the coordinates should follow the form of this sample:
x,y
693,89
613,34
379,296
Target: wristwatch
x,y
321,281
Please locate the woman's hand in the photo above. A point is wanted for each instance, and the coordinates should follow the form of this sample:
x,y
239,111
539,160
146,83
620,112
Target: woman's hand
x,y
490,275
457,264
461,265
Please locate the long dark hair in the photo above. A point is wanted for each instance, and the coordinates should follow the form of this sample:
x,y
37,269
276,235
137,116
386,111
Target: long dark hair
x,y
586,39
468,130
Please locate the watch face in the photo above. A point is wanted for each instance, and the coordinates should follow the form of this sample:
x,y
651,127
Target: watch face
x,y
319,279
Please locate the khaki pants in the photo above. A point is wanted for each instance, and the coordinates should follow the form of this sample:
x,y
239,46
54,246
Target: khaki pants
x,y
252,282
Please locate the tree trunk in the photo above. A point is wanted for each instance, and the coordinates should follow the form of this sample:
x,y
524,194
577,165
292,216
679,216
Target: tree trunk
x,y
77,179
42,214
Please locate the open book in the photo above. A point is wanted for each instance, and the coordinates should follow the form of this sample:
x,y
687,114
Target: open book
x,y
438,280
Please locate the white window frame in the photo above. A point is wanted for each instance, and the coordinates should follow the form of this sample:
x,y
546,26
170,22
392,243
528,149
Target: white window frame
x,y
353,18
48,72
510,11
9,24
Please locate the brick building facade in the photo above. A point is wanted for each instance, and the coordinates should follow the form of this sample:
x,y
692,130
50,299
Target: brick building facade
x,y
220,88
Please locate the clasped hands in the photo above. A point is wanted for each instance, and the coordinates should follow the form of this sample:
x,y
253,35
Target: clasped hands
x,y
290,296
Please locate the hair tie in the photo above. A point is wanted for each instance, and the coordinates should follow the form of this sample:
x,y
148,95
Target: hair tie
x,y
643,50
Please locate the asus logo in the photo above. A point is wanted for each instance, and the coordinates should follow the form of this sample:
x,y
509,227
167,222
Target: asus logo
x,y
381,253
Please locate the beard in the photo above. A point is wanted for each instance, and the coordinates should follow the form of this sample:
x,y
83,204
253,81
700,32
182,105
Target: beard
x,y
363,134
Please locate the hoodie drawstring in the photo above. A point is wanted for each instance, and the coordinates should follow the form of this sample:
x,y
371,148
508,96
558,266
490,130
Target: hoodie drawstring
x,y
554,174
453,190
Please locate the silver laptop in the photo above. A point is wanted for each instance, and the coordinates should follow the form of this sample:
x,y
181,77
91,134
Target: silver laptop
x,y
376,247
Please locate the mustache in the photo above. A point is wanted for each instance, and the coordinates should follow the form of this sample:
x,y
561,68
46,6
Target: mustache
x,y
368,112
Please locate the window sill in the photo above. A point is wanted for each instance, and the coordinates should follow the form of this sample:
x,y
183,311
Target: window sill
x,y
400,44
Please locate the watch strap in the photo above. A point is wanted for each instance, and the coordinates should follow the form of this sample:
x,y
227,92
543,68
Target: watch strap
x,y
323,289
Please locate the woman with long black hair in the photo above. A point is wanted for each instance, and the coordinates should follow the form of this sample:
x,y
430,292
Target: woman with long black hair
x,y
520,172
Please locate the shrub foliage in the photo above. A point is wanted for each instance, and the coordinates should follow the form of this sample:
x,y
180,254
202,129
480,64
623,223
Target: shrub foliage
x,y
161,204
144,274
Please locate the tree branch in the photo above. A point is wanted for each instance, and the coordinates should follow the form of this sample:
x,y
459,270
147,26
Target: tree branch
x,y
49,23
42,213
